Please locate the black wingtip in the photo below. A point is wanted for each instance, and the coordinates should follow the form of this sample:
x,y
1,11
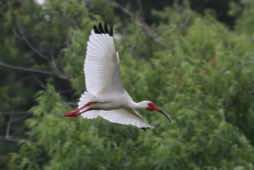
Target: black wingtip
x,y
111,30
103,29
95,29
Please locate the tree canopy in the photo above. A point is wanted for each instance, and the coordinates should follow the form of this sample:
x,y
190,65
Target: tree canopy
x,y
193,58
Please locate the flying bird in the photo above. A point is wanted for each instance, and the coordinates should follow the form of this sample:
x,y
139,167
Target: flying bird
x,y
105,95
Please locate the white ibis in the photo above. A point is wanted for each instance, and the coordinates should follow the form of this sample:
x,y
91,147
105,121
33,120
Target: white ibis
x,y
105,96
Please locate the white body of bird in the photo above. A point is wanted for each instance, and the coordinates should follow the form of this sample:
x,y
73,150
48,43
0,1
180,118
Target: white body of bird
x,y
105,96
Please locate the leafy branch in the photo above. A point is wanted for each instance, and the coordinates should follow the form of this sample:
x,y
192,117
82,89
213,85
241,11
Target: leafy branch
x,y
32,70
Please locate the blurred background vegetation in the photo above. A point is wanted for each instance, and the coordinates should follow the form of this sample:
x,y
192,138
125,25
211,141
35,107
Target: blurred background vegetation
x,y
193,57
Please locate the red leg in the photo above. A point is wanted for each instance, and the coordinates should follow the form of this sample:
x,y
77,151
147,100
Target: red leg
x,y
77,112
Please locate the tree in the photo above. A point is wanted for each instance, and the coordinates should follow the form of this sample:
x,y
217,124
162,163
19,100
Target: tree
x,y
191,64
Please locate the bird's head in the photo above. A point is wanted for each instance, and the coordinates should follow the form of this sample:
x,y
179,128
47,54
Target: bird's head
x,y
151,106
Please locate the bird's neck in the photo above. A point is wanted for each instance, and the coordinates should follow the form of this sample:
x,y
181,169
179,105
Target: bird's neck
x,y
138,105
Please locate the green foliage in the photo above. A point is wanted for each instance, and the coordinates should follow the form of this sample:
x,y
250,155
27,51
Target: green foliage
x,y
197,69
74,56
245,22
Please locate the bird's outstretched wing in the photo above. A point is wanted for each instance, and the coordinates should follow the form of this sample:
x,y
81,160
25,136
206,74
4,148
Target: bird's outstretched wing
x,y
102,72
120,116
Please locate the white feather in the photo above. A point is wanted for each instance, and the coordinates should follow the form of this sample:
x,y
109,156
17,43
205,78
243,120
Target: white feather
x,y
120,116
102,72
